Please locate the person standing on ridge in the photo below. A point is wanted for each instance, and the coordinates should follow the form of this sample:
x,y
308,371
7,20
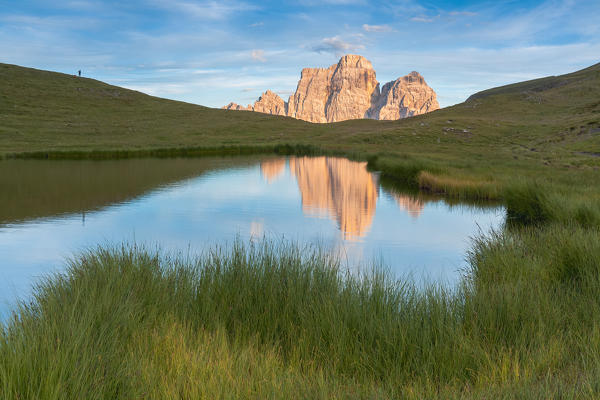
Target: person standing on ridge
x,y
80,73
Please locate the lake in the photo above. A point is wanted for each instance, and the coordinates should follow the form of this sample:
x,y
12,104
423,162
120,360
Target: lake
x,y
50,210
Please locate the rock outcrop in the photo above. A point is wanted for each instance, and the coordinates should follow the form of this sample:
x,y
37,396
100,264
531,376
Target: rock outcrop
x,y
349,90
404,97
268,103
237,107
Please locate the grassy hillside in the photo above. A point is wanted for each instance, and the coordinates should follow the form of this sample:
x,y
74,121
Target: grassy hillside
x,y
238,322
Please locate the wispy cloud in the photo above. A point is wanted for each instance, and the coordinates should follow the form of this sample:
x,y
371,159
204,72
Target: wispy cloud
x,y
462,13
422,19
63,23
377,28
336,45
258,55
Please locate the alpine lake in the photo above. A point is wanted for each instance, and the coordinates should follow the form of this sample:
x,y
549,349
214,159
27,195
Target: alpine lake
x,y
51,210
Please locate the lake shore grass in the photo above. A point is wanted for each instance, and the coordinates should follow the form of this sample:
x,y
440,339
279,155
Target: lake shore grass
x,y
275,320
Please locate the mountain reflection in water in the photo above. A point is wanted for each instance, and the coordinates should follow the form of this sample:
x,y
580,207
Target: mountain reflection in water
x,y
338,188
272,169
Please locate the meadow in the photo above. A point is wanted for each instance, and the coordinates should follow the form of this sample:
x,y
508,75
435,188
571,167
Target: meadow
x,y
275,320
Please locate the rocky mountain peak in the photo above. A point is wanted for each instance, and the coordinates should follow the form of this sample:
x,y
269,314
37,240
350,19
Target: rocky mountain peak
x,y
349,90
354,61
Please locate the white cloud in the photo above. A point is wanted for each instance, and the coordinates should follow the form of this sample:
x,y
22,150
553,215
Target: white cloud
x,y
207,71
462,13
421,19
377,28
258,55
336,46
49,23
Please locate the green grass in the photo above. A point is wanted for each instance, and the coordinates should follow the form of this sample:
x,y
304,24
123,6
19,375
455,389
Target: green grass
x,y
274,320
281,322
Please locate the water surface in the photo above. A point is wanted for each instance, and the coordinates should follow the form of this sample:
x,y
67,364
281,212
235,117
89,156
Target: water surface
x,y
52,209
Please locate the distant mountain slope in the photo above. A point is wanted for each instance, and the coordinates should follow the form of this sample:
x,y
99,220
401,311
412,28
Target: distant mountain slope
x,y
543,84
42,110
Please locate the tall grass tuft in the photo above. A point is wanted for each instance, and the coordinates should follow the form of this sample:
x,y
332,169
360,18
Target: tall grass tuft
x,y
275,320
527,204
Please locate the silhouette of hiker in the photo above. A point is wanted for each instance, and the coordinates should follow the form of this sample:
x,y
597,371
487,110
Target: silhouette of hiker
x,y
79,73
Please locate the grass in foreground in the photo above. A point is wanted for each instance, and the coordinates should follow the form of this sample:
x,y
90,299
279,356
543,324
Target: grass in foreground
x,y
273,320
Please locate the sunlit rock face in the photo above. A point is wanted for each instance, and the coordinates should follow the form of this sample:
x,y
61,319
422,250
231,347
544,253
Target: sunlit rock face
x,y
311,96
272,169
349,90
352,86
337,93
237,107
343,189
404,97
268,103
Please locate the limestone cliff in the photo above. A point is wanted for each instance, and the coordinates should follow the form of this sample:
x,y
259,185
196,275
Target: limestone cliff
x,y
404,97
312,94
352,86
349,90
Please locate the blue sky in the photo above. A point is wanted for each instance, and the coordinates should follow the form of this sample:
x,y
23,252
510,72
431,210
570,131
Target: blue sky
x,y
211,52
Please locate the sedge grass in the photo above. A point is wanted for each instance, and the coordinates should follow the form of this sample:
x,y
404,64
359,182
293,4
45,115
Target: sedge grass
x,y
274,320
